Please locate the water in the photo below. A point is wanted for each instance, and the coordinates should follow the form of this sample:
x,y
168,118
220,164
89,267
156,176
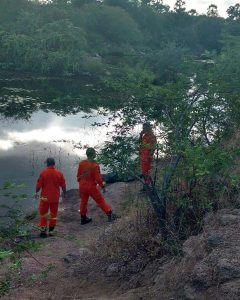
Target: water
x,y
42,118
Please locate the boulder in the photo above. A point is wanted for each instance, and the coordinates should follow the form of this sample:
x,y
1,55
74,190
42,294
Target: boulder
x,y
229,219
215,240
230,290
110,177
113,269
228,269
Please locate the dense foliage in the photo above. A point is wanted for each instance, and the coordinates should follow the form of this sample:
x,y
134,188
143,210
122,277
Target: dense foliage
x,y
100,37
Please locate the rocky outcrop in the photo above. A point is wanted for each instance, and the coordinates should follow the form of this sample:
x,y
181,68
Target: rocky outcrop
x,y
208,269
211,262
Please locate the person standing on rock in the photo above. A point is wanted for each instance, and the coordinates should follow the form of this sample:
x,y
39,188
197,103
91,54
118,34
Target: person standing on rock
x,y
49,182
89,179
147,147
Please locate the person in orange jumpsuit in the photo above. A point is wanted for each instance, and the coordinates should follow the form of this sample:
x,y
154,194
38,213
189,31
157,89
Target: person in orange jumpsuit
x,y
148,144
89,179
49,182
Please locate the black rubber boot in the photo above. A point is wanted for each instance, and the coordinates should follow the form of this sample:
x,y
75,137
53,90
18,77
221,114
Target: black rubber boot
x,y
111,216
43,233
51,231
85,220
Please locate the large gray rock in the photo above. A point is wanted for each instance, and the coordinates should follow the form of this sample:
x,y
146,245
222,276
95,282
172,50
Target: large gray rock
x,y
230,290
202,276
72,258
215,240
229,219
228,269
193,246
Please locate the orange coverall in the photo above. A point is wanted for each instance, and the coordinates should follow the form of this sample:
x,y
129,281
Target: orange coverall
x,y
89,176
49,181
147,146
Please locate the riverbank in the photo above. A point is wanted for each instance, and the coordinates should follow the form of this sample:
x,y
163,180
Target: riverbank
x,y
127,259
49,272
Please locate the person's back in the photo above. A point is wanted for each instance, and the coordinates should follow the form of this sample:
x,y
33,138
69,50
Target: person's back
x,y
89,174
50,181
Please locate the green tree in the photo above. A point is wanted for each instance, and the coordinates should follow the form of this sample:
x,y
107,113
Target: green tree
x,y
234,12
193,12
193,114
179,6
212,11
160,7
114,24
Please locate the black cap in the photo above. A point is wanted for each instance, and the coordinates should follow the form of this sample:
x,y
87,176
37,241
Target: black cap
x,y
50,161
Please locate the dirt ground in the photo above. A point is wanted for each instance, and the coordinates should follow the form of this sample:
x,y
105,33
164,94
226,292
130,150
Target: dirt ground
x,y
47,273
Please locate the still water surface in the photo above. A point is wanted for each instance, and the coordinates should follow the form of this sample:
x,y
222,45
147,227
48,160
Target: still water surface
x,y
46,118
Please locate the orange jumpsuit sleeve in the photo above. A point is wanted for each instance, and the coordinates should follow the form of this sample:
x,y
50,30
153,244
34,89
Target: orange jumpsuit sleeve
x,y
97,175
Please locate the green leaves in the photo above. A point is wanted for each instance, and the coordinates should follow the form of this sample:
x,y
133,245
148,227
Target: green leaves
x,y
5,253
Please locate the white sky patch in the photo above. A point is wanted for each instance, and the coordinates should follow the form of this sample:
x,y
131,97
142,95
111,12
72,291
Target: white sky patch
x,y
52,129
54,133
6,145
202,5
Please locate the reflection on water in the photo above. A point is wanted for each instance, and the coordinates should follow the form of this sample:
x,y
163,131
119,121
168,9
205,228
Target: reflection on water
x,y
36,123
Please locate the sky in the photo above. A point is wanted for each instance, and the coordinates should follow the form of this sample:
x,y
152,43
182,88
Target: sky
x,y
202,5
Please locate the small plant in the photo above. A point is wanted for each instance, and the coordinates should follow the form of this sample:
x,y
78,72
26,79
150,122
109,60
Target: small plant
x,y
5,253
27,245
5,285
44,275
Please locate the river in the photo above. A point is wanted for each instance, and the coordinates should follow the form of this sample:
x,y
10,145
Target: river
x,y
41,118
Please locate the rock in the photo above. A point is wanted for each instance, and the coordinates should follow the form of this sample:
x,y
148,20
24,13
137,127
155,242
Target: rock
x,y
230,290
129,178
229,220
85,252
110,177
215,240
189,293
71,258
202,276
113,269
136,266
192,245
72,194
113,177
228,269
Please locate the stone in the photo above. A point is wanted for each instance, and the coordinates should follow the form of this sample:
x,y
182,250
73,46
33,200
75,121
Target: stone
x,y
228,269
202,276
113,269
215,240
71,258
230,290
85,252
189,292
110,177
136,266
192,245
229,220
72,194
